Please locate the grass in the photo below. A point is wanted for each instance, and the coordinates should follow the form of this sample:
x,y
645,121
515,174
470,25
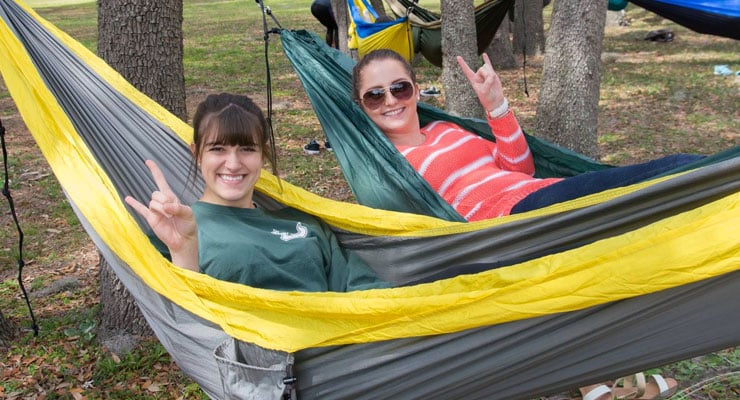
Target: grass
x,y
656,99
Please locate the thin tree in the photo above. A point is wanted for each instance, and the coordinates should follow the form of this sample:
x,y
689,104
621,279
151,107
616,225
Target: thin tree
x,y
143,41
501,51
7,330
379,7
567,110
458,20
529,31
341,15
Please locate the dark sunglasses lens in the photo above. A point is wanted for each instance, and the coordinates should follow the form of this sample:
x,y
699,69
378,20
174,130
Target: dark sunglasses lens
x,y
402,90
373,98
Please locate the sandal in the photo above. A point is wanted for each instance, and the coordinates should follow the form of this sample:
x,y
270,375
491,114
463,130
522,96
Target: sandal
x,y
658,388
603,392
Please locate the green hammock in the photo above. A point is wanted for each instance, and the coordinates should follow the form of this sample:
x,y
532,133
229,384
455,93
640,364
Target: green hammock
x,y
554,307
378,174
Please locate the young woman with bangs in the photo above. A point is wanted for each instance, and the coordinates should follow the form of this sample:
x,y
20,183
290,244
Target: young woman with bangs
x,y
224,234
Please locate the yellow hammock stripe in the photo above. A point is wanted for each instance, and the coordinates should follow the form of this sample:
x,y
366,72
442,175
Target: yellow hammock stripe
x,y
681,249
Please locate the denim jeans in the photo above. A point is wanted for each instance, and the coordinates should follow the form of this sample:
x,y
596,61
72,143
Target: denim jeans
x,y
598,181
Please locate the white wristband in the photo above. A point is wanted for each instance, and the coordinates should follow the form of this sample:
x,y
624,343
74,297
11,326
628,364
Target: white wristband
x,y
499,111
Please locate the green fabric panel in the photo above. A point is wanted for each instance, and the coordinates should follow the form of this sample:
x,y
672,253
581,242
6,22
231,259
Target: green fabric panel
x,y
617,5
378,175
381,177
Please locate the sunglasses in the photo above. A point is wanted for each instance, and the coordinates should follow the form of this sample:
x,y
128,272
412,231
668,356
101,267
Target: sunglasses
x,y
374,98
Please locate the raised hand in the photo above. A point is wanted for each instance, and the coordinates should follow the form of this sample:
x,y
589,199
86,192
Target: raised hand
x,y
172,222
485,83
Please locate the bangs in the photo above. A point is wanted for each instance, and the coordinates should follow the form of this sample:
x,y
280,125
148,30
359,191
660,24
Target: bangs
x,y
233,126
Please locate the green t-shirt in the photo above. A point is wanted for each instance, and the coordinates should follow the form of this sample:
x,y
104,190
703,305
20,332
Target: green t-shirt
x,y
281,250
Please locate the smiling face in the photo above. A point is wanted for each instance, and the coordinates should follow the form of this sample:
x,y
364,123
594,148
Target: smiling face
x,y
230,157
396,114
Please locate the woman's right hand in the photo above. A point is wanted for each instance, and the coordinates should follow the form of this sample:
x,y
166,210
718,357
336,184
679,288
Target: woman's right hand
x,y
485,83
172,222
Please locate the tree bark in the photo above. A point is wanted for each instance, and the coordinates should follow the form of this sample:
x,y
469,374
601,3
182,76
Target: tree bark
x,y
119,313
529,28
568,106
7,330
378,6
143,41
501,51
341,14
458,20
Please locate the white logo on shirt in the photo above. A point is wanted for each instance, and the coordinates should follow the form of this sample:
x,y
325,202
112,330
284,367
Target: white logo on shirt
x,y
301,232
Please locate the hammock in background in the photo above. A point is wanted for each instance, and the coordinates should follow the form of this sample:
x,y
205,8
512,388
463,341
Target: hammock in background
x,y
714,17
544,320
417,30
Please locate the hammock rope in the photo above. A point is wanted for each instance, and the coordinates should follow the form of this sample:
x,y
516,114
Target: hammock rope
x,y
11,204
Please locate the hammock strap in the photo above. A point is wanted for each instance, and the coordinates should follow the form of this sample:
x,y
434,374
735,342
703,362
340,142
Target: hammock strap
x,y
524,52
266,11
21,263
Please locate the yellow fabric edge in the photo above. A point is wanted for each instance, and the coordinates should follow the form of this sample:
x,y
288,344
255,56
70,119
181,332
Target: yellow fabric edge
x,y
685,248
397,38
681,249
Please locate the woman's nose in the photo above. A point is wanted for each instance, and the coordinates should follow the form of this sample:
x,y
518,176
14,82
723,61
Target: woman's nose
x,y
389,97
232,159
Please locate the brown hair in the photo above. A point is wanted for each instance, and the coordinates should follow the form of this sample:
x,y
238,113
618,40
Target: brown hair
x,y
235,120
377,55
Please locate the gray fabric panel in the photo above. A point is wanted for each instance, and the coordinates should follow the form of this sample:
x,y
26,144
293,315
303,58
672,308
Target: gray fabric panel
x,y
251,372
407,259
189,339
528,358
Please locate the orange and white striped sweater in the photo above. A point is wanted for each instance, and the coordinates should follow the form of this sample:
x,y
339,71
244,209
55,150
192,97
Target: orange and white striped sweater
x,y
479,178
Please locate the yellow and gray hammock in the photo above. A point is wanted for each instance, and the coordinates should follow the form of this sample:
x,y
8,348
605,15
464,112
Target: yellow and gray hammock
x,y
544,301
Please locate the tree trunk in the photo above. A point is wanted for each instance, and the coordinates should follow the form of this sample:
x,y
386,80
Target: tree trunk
x,y
341,14
458,20
143,41
119,313
7,330
529,27
568,107
378,6
500,51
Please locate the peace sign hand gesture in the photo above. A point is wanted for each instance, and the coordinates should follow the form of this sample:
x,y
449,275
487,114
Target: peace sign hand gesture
x,y
172,222
485,83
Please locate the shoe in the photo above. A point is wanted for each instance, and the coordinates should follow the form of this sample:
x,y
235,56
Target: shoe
x,y
604,392
655,389
430,92
723,69
327,146
660,35
312,148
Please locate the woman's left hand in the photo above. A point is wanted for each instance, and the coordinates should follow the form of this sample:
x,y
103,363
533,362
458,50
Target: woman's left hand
x,y
485,83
